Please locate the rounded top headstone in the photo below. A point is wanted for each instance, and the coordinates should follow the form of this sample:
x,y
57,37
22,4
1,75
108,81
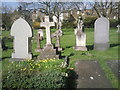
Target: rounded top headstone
x,y
102,19
101,34
21,28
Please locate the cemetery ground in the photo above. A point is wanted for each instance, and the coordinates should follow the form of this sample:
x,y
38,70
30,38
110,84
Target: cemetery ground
x,y
67,43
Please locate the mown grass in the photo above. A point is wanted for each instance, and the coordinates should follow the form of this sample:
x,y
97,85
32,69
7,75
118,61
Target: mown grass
x,y
67,43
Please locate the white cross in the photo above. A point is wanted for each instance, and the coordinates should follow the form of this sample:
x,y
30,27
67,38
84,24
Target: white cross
x,y
118,26
47,25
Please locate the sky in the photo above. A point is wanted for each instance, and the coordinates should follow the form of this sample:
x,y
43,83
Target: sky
x,y
11,4
15,3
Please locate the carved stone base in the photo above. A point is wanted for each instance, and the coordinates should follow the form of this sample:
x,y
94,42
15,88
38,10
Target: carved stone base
x,y
48,52
38,50
80,48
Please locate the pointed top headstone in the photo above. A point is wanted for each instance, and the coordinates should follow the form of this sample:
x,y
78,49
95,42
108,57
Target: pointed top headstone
x,y
21,28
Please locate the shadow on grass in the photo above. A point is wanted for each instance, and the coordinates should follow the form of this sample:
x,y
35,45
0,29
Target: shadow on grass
x,y
71,80
114,45
90,47
69,46
3,58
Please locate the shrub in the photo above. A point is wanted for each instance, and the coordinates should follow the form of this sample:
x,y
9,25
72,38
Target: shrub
x,y
89,22
113,22
35,74
68,24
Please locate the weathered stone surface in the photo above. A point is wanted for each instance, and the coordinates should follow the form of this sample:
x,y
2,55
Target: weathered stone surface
x,y
80,36
101,34
57,35
22,32
48,53
90,75
39,38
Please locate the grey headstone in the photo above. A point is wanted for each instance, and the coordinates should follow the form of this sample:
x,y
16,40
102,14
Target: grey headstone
x,y
80,36
22,32
101,34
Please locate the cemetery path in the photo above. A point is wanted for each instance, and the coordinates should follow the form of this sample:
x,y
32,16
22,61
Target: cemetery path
x,y
90,75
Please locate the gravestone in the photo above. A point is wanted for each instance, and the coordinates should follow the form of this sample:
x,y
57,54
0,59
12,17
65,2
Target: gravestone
x,y
101,34
80,36
48,51
118,26
60,28
39,38
21,31
57,35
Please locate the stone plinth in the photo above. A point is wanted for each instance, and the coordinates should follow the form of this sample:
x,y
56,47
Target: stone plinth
x,y
48,52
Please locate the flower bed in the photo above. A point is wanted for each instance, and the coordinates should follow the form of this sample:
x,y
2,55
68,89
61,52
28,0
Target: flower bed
x,y
35,74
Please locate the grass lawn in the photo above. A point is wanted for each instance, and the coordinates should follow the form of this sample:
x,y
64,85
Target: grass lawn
x,y
67,43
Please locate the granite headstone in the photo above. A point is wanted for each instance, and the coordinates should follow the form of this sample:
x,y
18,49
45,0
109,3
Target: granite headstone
x,y
101,34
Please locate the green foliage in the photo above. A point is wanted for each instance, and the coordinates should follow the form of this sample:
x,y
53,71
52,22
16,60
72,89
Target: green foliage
x,y
36,25
35,74
68,24
113,23
6,20
67,42
89,22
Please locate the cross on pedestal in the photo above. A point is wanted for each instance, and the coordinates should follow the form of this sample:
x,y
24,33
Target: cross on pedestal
x,y
47,24
118,26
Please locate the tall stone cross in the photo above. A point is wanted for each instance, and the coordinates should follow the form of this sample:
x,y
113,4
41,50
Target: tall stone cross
x,y
21,31
47,24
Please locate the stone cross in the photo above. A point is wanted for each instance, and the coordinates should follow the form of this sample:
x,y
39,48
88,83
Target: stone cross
x,y
39,38
47,25
118,26
101,34
58,34
22,32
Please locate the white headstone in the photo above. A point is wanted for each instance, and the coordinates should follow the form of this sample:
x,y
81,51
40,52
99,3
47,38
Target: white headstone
x,y
21,31
80,41
101,34
47,25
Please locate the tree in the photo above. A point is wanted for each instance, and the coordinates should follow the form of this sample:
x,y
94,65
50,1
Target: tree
x,y
104,7
58,9
6,16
